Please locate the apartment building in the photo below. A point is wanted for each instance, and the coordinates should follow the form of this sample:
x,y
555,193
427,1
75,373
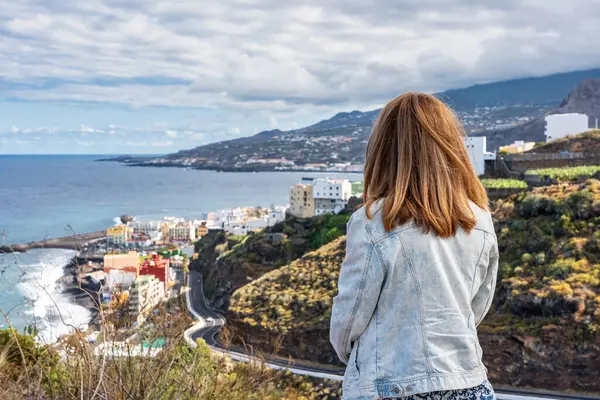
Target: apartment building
x,y
146,292
302,203
329,206
178,230
157,266
559,126
119,234
332,189
151,229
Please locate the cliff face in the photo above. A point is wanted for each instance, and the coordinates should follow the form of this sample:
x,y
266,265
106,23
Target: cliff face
x,y
585,99
542,330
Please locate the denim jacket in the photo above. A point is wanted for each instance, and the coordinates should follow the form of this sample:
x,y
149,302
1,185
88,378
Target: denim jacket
x,y
408,304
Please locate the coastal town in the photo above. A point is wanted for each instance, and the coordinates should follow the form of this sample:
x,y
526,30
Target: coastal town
x,y
138,264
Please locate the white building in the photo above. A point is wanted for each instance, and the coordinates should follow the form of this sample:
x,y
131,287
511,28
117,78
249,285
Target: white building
x,y
561,125
329,206
183,231
275,216
334,189
149,228
117,278
476,149
146,292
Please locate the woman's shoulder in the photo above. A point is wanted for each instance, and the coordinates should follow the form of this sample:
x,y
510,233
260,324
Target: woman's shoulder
x,y
370,217
483,217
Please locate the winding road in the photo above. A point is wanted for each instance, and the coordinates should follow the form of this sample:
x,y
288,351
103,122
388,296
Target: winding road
x,y
210,322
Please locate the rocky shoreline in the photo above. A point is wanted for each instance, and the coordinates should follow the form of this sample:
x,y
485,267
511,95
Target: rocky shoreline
x,y
221,168
82,294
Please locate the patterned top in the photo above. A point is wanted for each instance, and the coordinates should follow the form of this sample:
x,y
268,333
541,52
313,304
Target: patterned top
x,y
481,392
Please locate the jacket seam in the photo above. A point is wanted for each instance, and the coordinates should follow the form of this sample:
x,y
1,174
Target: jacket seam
x,y
488,301
413,272
474,275
483,230
378,251
361,287
385,235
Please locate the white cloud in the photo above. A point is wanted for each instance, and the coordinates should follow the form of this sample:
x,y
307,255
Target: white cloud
x,y
331,52
86,129
150,144
86,143
267,64
171,133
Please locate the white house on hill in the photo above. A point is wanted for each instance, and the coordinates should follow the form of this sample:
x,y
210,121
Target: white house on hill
x,y
476,149
560,125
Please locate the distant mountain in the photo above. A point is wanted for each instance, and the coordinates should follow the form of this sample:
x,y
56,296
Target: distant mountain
x,y
549,89
584,99
341,139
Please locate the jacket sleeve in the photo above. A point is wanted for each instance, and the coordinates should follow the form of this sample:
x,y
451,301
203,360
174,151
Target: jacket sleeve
x,y
359,285
483,298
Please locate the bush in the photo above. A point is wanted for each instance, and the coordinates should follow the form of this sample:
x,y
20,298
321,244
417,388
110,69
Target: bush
x,y
288,230
504,184
565,174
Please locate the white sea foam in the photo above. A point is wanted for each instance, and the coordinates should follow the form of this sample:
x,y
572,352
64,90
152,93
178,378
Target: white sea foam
x,y
53,312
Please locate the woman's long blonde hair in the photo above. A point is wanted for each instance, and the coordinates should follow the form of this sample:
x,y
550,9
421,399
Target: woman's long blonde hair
x,y
417,163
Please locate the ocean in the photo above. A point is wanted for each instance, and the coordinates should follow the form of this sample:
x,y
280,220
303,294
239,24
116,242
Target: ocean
x,y
53,196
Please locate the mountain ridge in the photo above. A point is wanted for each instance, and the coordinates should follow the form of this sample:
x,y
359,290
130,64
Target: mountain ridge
x,y
502,111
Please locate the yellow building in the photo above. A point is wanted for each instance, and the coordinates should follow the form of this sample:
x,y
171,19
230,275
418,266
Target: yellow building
x,y
119,234
517,147
302,202
201,230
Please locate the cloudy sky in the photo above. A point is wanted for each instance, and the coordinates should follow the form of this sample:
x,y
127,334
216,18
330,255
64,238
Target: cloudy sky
x,y
156,76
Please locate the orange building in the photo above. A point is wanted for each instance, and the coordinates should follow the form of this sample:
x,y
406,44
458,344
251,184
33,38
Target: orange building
x,y
128,262
157,266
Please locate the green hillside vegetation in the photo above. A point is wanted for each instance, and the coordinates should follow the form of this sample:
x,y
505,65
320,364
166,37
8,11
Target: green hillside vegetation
x,y
297,296
228,262
548,288
550,260
566,174
504,184
29,371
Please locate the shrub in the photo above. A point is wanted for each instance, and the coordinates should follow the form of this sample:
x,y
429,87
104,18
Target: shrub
x,y
288,230
504,184
565,174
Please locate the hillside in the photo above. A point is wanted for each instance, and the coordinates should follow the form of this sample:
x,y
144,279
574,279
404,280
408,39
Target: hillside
x,y
485,109
584,98
584,142
229,262
543,327
549,89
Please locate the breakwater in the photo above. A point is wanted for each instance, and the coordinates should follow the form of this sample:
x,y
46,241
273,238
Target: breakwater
x,y
73,242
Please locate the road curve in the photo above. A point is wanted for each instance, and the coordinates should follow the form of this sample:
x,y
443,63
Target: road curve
x,y
210,322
